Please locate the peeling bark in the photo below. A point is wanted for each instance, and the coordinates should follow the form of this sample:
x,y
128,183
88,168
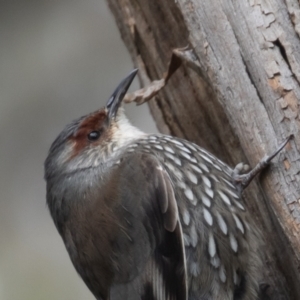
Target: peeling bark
x,y
236,95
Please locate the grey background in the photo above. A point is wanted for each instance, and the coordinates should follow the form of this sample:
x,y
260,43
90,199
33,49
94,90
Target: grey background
x,y
58,61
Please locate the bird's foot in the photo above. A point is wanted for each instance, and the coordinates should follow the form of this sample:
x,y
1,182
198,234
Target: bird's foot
x,y
242,179
240,169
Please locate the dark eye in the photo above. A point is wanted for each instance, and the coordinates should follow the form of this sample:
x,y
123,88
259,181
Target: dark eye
x,y
94,135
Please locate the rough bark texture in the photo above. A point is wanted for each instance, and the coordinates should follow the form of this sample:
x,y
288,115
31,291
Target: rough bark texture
x,y
239,100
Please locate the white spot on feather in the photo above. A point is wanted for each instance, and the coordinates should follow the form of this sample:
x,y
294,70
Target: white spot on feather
x,y
238,223
212,249
171,156
206,181
195,168
152,141
189,145
189,194
193,160
193,236
228,182
186,240
152,137
184,149
216,166
233,242
214,178
203,167
206,158
192,177
177,161
174,141
222,224
159,147
181,184
205,201
187,156
209,192
239,205
186,217
208,217
233,194
169,149
222,274
224,198
215,261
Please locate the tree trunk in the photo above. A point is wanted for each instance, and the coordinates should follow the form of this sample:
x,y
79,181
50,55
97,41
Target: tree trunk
x,y
237,97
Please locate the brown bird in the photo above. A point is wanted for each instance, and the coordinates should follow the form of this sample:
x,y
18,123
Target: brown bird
x,y
150,216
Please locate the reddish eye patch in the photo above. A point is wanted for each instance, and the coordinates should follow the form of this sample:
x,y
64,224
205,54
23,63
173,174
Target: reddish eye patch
x,y
88,131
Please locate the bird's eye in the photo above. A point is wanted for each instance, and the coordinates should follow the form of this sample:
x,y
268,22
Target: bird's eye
x,y
94,136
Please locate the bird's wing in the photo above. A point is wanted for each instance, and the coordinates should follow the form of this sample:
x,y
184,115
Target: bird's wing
x,y
148,251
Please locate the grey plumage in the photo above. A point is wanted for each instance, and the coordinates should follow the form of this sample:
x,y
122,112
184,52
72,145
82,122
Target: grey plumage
x,y
149,216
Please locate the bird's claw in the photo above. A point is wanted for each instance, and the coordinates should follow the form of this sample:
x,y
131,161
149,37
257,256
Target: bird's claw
x,y
241,168
242,179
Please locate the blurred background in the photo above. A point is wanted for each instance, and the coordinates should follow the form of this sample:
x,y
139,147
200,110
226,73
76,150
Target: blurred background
x,y
58,60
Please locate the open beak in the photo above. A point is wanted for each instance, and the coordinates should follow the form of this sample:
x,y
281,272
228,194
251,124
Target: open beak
x,y
116,98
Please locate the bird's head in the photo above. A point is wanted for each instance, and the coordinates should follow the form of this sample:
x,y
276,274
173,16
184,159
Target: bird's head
x,y
90,140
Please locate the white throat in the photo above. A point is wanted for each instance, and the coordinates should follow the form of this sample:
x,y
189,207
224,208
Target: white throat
x,y
125,131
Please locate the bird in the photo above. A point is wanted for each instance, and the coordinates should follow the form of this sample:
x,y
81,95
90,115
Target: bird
x,y
151,216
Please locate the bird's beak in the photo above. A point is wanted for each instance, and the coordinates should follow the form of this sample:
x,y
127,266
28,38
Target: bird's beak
x,y
116,98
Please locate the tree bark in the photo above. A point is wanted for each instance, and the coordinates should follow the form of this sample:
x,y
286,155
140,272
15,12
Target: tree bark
x,y
237,96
